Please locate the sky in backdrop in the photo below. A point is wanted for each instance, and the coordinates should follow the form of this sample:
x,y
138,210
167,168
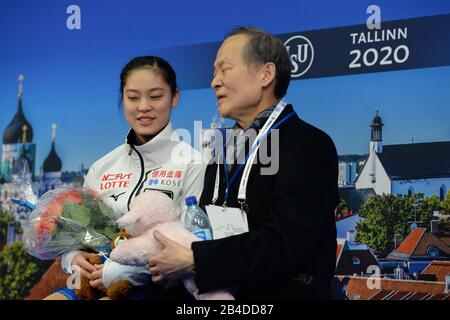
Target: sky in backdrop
x,y
72,76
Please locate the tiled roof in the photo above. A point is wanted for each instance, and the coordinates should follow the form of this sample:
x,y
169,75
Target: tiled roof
x,y
445,240
411,241
431,239
418,295
440,296
392,289
355,261
347,224
355,198
54,278
345,214
416,245
400,295
416,160
353,258
438,268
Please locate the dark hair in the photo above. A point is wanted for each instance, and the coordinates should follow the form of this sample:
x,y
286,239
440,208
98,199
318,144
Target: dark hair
x,y
158,64
262,48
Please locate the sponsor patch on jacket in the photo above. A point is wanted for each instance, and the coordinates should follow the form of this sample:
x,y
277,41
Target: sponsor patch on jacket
x,y
115,180
166,178
168,174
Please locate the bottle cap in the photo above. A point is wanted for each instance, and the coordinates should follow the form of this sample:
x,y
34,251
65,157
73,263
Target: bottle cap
x,y
191,200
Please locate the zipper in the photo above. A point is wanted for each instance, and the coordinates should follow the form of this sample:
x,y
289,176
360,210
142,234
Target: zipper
x,y
145,178
140,178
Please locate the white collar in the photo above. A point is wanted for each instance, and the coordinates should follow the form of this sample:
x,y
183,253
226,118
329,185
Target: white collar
x,y
159,149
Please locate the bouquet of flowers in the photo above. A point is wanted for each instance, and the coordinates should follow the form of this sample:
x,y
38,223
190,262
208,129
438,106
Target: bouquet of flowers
x,y
67,219
63,219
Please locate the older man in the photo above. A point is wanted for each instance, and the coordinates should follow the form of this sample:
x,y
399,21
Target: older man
x,y
284,244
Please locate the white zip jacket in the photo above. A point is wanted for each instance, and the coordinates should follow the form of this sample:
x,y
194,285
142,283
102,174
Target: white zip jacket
x,y
165,164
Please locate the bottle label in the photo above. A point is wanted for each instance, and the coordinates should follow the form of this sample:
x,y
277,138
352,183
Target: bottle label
x,y
204,234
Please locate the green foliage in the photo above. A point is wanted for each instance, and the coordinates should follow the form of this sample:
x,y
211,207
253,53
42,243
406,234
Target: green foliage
x,y
342,206
18,271
444,226
341,209
387,215
85,225
445,205
5,219
353,157
77,212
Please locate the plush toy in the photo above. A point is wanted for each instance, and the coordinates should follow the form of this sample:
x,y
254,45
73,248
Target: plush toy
x,y
150,211
118,290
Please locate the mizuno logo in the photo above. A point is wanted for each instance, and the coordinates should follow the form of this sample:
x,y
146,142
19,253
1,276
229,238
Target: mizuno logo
x,y
117,197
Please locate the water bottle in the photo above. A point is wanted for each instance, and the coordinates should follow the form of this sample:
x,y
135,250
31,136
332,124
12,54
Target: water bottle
x,y
196,220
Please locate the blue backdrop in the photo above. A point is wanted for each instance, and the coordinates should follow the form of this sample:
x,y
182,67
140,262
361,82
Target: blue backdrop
x,y
72,76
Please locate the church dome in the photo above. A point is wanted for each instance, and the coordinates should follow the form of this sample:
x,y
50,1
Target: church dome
x,y
376,121
52,163
19,130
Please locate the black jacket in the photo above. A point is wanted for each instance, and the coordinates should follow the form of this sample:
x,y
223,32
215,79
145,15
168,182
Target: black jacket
x,y
290,251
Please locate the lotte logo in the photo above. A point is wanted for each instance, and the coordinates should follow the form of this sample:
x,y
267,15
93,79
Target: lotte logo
x,y
301,53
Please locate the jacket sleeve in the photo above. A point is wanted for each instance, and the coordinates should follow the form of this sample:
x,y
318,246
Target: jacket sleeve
x,y
66,260
136,275
300,216
67,257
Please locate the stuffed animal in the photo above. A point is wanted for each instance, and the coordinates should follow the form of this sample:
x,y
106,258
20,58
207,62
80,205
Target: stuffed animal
x,y
117,291
150,211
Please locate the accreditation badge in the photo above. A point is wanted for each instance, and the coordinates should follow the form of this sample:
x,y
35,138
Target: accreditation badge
x,y
226,222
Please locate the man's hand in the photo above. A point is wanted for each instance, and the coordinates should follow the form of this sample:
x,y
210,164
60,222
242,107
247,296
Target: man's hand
x,y
97,278
172,263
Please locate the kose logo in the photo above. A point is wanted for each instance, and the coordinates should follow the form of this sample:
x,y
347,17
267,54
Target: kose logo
x,y
301,53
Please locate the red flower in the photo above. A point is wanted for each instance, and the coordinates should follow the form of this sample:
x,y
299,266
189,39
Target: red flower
x,y
70,195
48,221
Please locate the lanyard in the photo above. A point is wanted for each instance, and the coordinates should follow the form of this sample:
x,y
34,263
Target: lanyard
x,y
268,126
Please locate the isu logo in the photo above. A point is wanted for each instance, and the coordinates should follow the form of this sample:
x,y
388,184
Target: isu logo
x,y
301,53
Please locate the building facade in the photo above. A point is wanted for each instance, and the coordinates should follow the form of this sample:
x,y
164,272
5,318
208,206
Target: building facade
x,y
405,168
